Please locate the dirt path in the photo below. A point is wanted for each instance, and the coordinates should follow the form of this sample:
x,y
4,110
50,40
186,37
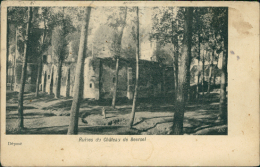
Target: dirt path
x,y
47,115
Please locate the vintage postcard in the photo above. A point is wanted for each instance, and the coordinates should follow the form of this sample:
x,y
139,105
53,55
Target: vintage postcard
x,y
129,83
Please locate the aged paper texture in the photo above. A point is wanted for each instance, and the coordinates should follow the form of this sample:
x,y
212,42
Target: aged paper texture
x,y
238,147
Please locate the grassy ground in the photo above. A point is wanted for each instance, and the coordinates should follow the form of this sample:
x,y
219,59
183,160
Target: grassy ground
x,y
47,115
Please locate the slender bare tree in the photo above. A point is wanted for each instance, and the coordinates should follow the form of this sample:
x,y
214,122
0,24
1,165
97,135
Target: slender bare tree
x,y
43,48
210,71
137,70
60,51
24,69
203,70
117,59
73,124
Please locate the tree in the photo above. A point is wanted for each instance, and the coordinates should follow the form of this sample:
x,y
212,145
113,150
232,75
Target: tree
x,y
59,44
38,78
184,68
223,91
220,23
198,69
176,59
73,125
213,44
7,48
44,43
15,19
203,70
137,69
198,25
203,20
119,41
210,71
68,83
24,69
14,61
168,29
61,25
215,71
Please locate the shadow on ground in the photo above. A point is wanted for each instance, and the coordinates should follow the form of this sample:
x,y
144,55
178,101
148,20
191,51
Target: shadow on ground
x,y
13,108
64,105
154,116
94,130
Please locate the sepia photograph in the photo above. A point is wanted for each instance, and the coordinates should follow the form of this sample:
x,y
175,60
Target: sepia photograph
x,y
129,83
117,70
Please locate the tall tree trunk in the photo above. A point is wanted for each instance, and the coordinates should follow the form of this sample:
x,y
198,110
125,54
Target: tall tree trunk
x,y
183,81
137,70
100,79
210,71
203,72
82,80
176,61
44,82
38,77
7,48
223,92
40,61
188,96
73,125
24,69
16,55
51,82
13,73
58,84
12,80
115,83
117,61
215,73
199,40
164,82
198,76
175,42
60,58
68,83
